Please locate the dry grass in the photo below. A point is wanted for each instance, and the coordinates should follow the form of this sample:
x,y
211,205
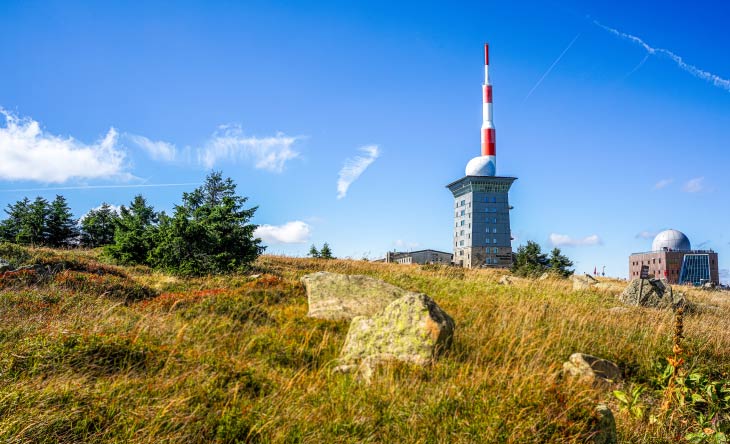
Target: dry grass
x,y
107,354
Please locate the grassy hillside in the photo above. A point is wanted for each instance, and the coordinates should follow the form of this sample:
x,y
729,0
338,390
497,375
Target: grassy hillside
x,y
91,352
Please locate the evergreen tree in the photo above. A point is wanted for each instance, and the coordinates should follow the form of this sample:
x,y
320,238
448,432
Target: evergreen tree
x,y
208,233
34,226
61,227
559,263
313,252
97,227
134,235
17,214
530,260
325,252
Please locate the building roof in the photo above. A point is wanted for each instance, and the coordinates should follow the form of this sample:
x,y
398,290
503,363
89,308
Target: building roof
x,y
671,240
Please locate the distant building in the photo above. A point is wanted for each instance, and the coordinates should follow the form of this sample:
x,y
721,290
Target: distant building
x,y
418,257
672,258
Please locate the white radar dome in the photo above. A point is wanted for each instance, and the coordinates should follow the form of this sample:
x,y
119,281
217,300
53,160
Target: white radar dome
x,y
481,166
671,240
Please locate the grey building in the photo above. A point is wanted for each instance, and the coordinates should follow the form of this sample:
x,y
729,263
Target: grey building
x,y
482,234
418,257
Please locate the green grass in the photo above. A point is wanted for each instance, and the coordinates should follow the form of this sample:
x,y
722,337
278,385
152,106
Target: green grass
x,y
91,352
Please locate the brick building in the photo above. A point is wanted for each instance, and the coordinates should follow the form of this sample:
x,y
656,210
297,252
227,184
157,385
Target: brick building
x,y
672,258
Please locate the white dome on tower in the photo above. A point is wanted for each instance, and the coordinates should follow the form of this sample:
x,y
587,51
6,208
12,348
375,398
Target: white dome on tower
x,y
481,166
671,240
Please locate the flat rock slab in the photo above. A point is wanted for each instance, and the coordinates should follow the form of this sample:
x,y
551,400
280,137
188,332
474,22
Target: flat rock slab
x,y
336,296
411,329
592,368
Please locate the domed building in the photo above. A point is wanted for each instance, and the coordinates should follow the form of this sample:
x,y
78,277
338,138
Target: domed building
x,y
672,258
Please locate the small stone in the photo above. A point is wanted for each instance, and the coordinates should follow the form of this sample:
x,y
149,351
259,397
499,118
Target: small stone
x,y
591,368
582,281
4,265
506,280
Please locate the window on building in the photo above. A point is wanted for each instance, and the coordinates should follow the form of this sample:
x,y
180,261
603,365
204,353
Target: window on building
x,y
461,243
461,252
462,212
463,202
495,250
462,232
494,221
489,260
494,199
494,230
494,241
462,223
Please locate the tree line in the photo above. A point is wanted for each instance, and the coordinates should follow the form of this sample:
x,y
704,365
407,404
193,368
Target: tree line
x,y
208,232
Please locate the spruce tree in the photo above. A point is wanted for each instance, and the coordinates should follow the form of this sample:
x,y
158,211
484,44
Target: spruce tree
x,y
61,227
530,260
325,252
313,252
135,233
208,233
17,214
97,227
559,263
34,226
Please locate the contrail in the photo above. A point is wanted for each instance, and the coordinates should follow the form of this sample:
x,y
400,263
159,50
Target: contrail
x,y
551,67
99,187
695,71
636,68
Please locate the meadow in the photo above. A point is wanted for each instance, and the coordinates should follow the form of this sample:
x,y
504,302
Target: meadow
x,y
92,352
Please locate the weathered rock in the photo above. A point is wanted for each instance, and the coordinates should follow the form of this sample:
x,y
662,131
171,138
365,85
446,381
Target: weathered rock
x,y
544,276
336,296
605,429
4,265
656,293
582,281
411,329
506,280
591,368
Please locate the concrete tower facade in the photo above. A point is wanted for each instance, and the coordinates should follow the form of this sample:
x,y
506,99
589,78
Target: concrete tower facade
x,y
482,233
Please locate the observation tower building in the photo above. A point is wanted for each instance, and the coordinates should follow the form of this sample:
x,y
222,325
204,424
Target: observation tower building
x,y
482,234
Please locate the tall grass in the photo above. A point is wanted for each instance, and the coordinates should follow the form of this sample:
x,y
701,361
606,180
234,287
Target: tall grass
x,y
98,353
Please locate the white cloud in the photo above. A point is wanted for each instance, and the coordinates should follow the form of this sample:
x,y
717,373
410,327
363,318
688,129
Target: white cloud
x,y
563,240
646,235
354,167
157,150
663,184
295,232
694,185
29,153
695,71
229,144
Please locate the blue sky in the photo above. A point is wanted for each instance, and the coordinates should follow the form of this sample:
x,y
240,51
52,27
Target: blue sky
x,y
344,123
